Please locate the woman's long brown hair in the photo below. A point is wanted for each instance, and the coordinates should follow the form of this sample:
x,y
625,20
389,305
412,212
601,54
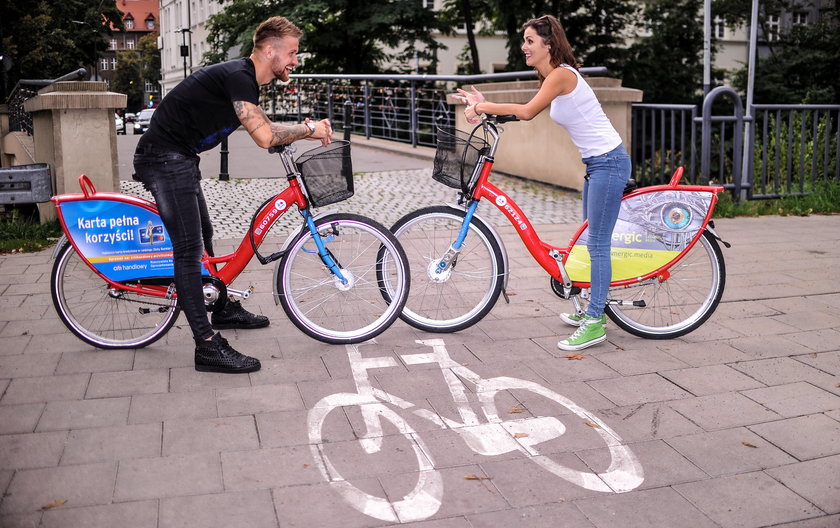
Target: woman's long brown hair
x,y
553,35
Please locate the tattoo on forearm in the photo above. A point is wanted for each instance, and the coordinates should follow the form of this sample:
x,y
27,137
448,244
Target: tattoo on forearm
x,y
284,135
254,117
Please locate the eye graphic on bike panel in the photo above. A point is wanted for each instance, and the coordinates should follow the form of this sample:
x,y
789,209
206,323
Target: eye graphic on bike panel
x,y
387,471
651,231
676,216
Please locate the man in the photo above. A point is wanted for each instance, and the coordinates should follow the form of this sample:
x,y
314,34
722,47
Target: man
x,y
195,116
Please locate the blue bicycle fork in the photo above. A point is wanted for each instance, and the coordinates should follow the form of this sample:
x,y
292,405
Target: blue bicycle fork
x,y
322,249
453,250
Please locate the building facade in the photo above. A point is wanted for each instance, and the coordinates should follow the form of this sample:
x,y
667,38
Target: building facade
x,y
140,18
183,37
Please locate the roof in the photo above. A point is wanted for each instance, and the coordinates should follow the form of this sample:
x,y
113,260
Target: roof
x,y
140,11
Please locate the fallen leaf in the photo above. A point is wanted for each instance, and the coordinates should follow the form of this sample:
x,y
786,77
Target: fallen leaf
x,y
748,444
477,477
55,504
618,347
813,356
838,385
512,293
592,425
573,356
515,410
520,435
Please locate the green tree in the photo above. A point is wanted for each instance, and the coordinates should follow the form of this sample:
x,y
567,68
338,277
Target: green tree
x,y
44,40
668,64
802,67
128,79
340,36
149,58
595,28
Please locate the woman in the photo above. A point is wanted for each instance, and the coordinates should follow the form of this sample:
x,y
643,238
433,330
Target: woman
x,y
574,107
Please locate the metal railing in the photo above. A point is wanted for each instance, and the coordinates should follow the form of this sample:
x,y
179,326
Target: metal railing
x,y
19,119
405,108
788,148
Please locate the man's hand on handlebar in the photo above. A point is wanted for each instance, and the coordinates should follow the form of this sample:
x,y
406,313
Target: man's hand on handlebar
x,y
323,131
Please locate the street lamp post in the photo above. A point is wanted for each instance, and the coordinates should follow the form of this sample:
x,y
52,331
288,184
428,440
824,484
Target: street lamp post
x,y
185,50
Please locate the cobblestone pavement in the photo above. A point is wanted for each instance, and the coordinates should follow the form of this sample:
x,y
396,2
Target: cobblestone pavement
x,y
384,196
736,424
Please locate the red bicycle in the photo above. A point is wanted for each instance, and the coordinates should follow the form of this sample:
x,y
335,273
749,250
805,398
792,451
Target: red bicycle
x,y
668,269
112,280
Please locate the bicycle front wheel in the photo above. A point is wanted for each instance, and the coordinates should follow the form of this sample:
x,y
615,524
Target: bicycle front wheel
x,y
330,310
680,303
103,316
461,295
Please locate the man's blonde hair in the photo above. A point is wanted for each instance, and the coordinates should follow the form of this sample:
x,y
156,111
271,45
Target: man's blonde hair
x,y
275,28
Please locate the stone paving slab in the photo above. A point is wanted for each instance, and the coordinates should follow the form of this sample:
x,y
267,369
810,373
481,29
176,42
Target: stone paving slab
x,y
735,424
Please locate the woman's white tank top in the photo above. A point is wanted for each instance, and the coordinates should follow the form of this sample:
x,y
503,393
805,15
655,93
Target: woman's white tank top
x,y
580,113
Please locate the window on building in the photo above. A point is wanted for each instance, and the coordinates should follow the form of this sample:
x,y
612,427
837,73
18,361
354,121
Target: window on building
x,y
148,87
718,28
150,22
799,18
428,4
129,43
773,22
114,63
129,22
113,44
103,64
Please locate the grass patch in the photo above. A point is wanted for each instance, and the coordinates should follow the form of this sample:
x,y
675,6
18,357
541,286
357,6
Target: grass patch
x,y
19,235
823,199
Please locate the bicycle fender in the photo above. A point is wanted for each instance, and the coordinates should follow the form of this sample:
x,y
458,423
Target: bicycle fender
x,y
498,237
291,238
58,245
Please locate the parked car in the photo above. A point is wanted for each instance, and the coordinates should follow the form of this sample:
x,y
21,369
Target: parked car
x,y
119,124
141,122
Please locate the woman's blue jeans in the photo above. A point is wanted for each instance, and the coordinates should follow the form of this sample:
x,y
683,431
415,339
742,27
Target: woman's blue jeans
x,y
174,181
607,175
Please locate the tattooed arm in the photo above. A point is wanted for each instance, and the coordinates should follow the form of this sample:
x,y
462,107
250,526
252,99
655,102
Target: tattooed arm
x,y
267,134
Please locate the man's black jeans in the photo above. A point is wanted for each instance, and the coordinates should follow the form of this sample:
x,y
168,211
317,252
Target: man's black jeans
x,y
174,181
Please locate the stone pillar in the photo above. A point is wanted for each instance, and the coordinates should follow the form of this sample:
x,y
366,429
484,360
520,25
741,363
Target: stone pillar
x,y
73,129
540,149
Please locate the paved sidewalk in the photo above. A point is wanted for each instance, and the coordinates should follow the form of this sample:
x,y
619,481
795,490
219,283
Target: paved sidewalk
x,y
734,425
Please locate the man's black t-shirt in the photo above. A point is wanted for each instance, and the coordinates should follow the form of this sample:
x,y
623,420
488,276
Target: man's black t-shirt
x,y
198,113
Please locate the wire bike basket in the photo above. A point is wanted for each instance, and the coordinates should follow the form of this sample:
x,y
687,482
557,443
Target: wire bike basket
x,y
327,173
456,157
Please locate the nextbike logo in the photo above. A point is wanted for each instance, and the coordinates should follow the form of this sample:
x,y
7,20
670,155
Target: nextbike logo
x,y
279,206
502,202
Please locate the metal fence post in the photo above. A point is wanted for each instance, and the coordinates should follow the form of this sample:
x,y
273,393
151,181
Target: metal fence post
x,y
223,169
348,119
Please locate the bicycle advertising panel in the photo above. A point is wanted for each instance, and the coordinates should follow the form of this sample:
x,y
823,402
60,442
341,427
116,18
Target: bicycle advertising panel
x,y
122,241
653,228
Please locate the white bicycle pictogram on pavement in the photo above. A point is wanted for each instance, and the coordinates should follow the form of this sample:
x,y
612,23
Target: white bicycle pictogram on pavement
x,y
490,435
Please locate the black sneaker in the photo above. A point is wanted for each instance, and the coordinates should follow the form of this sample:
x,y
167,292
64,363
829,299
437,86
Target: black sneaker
x,y
233,315
217,355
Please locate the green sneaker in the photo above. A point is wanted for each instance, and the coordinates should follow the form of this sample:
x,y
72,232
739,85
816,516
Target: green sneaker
x,y
574,319
591,332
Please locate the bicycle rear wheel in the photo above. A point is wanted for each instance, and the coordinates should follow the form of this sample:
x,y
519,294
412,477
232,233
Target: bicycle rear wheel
x,y
461,296
680,303
102,316
323,307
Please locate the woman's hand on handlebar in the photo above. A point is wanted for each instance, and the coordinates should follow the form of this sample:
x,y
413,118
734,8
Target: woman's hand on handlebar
x,y
323,131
